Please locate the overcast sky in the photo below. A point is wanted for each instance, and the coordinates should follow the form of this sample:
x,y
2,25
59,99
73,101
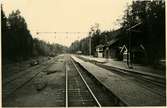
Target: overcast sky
x,y
67,16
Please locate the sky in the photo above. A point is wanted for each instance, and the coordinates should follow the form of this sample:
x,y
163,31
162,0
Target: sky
x,y
73,16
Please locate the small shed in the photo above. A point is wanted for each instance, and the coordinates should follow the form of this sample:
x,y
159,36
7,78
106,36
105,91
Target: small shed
x,y
100,50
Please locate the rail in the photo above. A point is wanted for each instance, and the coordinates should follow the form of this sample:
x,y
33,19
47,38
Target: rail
x,y
89,89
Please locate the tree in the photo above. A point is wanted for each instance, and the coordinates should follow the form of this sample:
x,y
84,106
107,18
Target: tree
x,y
152,16
4,31
16,38
41,48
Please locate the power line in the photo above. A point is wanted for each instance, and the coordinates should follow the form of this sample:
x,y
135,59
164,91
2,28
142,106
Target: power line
x,y
61,33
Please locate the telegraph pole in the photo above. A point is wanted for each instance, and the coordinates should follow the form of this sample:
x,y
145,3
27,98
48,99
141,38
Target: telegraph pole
x,y
129,30
92,30
90,33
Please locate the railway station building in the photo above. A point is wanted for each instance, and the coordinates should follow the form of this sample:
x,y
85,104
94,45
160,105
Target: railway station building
x,y
118,48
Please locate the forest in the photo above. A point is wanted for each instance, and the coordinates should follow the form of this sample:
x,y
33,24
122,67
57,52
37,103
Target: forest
x,y
17,42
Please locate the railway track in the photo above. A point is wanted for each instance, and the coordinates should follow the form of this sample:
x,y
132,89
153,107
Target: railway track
x,y
18,81
24,72
79,88
149,78
78,92
82,89
152,83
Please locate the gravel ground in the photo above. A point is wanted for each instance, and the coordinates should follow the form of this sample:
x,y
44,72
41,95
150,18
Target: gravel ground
x,y
8,70
45,90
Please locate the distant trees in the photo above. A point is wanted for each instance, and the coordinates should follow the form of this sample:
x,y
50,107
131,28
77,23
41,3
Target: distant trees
x,y
97,37
17,42
41,48
85,46
82,45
